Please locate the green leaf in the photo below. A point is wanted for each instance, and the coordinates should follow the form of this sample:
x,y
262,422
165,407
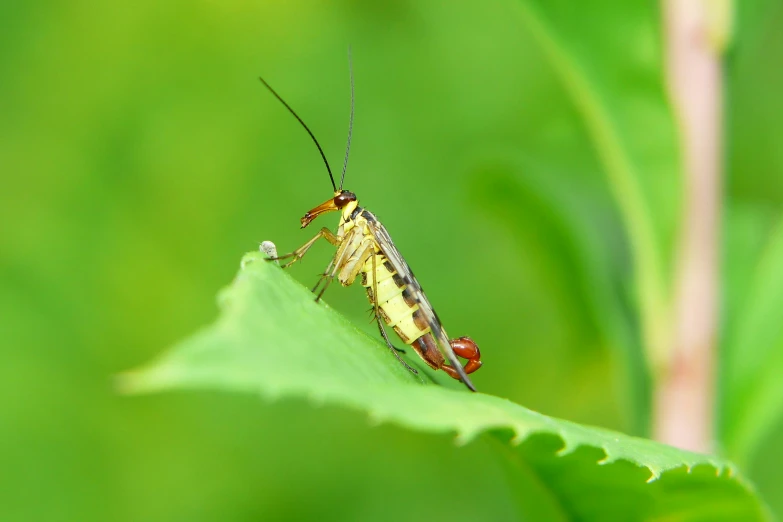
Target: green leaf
x,y
575,240
620,96
750,408
273,339
753,354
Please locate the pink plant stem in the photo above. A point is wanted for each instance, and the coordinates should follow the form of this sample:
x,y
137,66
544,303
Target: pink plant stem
x,y
684,394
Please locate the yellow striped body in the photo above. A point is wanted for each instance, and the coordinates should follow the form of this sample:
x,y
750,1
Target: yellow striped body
x,y
360,252
397,306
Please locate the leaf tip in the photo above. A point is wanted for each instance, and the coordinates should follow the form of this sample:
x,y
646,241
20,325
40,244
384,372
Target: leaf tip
x,y
248,258
655,474
567,448
267,248
464,437
519,437
607,459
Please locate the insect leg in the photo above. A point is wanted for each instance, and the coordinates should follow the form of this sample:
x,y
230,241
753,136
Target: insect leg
x,y
327,277
380,321
302,250
373,318
345,248
324,276
351,255
396,351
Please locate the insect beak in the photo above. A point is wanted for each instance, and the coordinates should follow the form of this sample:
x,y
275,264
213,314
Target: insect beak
x,y
327,206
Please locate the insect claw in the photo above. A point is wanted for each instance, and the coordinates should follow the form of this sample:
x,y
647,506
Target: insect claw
x,y
294,260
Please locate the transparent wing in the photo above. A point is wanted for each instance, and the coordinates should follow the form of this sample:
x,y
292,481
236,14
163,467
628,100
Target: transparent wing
x,y
403,270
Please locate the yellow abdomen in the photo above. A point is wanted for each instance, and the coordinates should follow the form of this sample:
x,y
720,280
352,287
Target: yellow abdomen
x,y
396,305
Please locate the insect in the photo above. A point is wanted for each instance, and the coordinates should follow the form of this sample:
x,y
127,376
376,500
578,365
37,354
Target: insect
x,y
364,248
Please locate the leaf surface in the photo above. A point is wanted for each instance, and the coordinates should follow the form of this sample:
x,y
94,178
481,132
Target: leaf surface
x,y
273,339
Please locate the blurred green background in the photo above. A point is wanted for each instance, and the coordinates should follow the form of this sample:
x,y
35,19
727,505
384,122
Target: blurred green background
x,y
140,158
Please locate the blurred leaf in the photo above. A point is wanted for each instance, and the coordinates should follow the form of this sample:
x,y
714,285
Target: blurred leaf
x,y
751,400
755,109
753,354
577,237
272,338
754,199
596,189
615,80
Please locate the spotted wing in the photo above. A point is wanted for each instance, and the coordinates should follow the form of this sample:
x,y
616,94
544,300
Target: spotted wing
x,y
404,271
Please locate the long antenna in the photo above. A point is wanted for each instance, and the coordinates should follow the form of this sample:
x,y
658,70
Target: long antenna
x,y
308,129
350,122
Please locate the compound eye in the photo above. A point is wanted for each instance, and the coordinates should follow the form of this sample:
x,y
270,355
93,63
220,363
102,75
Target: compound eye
x,y
343,198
